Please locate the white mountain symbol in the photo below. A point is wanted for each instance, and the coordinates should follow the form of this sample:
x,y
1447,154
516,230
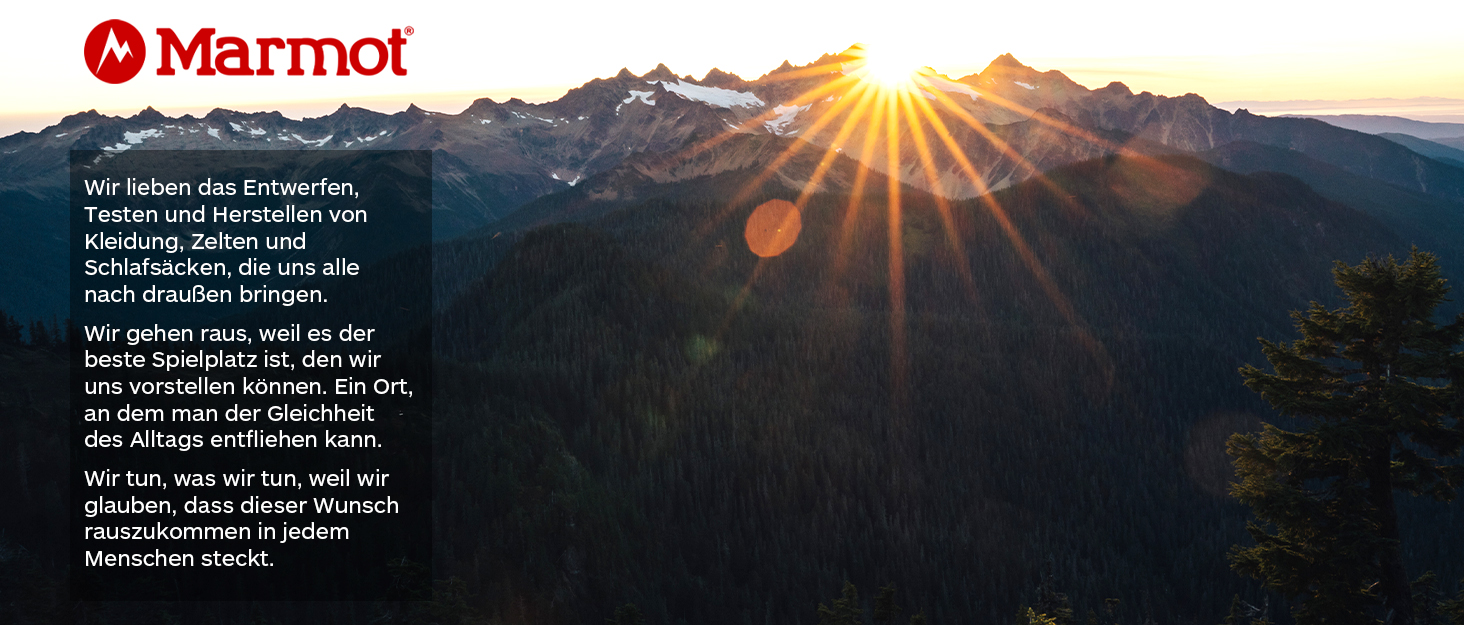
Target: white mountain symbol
x,y
114,48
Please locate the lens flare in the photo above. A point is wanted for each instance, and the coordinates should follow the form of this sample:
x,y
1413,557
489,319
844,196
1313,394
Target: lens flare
x,y
773,227
877,98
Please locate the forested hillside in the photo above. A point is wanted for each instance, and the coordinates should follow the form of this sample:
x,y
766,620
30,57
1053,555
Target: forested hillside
x,y
676,424
635,409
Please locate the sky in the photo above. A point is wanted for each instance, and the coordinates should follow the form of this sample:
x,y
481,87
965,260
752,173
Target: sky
x,y
1225,51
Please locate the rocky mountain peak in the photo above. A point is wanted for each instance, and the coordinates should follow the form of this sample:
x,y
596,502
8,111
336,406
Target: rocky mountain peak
x,y
718,78
149,115
661,73
84,117
481,106
1006,60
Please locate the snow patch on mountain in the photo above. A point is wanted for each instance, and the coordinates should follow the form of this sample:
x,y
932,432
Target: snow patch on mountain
x,y
136,137
533,116
1024,85
786,114
317,142
249,129
358,139
645,96
951,86
714,96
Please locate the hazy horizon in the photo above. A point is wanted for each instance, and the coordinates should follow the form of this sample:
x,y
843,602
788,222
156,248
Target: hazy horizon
x,y
456,55
1421,108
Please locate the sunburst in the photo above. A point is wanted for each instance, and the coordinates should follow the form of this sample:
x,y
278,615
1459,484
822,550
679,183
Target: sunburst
x,y
889,67
888,96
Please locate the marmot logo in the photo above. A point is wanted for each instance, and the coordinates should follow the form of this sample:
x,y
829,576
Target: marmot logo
x,y
114,51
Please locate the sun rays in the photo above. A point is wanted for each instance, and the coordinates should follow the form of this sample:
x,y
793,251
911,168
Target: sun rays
x,y
880,98
892,68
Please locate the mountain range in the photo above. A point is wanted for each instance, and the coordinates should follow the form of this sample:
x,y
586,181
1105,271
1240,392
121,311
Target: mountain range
x,y
493,157
1379,124
1023,377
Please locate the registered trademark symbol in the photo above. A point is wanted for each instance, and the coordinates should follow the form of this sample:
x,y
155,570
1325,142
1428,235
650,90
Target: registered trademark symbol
x,y
409,30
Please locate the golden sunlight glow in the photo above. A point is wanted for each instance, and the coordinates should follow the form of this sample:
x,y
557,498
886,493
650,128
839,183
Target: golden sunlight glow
x,y
888,67
874,99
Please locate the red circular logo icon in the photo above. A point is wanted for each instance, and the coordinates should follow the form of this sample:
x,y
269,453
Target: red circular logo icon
x,y
114,51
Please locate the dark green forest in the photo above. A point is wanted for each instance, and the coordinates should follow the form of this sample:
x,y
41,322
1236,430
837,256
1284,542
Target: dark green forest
x,y
768,440
639,421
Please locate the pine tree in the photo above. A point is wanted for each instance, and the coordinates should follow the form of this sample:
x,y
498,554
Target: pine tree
x,y
10,329
1379,385
40,336
1453,609
1237,612
845,611
71,335
1110,609
627,614
885,608
1029,616
1050,603
1426,600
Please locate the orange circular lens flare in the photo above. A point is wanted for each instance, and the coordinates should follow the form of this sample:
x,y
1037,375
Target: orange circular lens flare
x,y
773,227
